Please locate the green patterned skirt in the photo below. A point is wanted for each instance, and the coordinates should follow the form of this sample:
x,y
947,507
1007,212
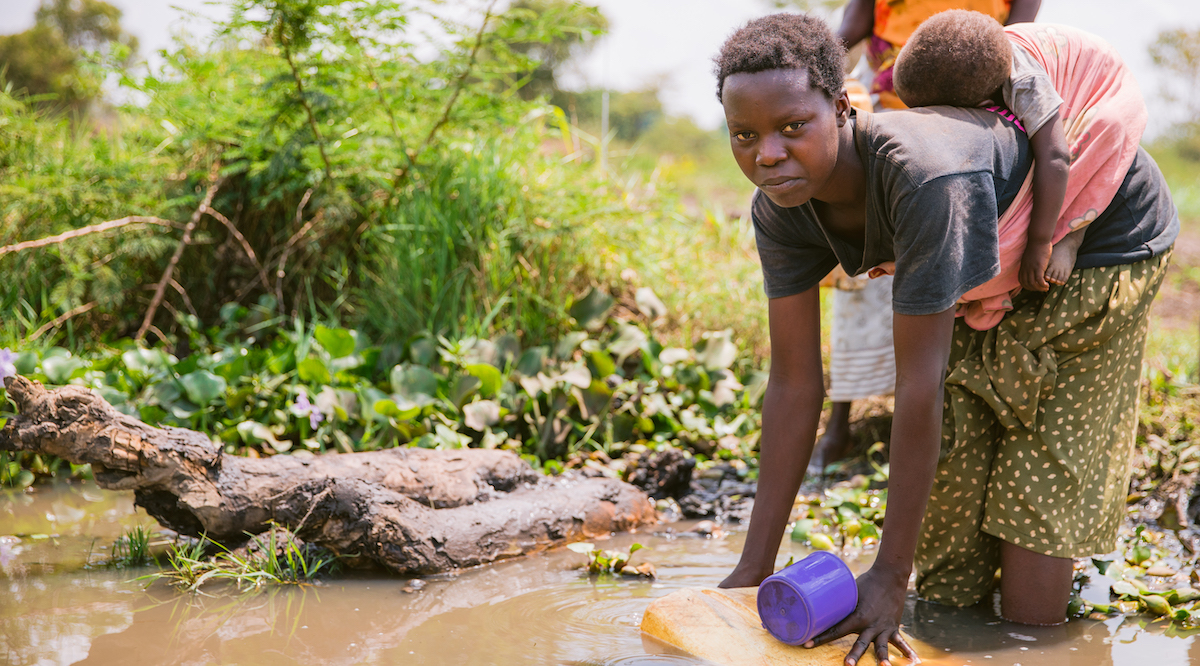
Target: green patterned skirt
x,y
1039,426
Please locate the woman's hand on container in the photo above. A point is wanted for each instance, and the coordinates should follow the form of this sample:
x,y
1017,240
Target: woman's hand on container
x,y
876,619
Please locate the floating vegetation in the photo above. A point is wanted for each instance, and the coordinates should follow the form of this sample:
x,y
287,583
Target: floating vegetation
x,y
613,562
849,514
273,558
1150,576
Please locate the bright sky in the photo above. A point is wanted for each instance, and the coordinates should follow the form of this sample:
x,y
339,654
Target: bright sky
x,y
672,42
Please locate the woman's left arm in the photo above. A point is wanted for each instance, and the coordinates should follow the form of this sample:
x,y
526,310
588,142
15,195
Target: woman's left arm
x,y
922,352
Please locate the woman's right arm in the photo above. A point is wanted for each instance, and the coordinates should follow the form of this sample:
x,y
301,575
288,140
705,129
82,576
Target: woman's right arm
x,y
791,410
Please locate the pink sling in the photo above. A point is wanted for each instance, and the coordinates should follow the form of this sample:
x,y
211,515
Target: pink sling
x,y
1104,116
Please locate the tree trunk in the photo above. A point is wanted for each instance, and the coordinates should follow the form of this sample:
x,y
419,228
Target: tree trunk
x,y
411,511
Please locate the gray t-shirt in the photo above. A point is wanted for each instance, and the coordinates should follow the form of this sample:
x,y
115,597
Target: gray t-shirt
x,y
938,179
1029,92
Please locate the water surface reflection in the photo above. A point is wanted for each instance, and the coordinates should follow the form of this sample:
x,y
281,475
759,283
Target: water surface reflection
x,y
538,610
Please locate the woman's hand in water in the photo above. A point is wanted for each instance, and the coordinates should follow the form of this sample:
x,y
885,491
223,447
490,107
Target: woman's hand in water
x,y
744,577
876,619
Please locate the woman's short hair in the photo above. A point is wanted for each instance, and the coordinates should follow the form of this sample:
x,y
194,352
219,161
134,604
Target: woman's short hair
x,y
955,58
784,41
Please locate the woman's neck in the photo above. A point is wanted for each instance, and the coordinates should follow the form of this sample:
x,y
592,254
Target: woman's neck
x,y
842,207
848,185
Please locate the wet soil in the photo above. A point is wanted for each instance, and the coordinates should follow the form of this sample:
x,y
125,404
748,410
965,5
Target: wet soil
x,y
536,610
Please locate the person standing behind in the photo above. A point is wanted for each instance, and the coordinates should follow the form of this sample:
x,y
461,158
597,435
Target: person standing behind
x,y
862,362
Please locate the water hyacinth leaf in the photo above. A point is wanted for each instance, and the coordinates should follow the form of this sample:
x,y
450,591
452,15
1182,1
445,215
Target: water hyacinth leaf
x,y
568,343
589,311
145,361
649,304
480,414
1156,604
596,398
490,379
369,396
422,351
578,376
532,360
448,438
480,351
253,432
464,387
717,351
582,548
338,342
202,387
313,371
60,369
821,542
630,339
508,349
1124,588
403,411
802,529
25,362
414,382
673,355
601,364
1182,595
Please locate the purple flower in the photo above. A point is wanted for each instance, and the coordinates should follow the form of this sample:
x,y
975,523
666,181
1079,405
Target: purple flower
x,y
302,407
8,366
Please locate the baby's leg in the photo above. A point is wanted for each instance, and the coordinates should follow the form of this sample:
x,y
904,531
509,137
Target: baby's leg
x,y
1062,257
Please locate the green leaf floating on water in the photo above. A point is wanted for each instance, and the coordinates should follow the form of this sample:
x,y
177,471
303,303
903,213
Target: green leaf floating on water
x,y
338,342
1124,588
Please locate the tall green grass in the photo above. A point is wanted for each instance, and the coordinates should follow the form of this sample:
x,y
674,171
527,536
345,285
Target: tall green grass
x,y
469,249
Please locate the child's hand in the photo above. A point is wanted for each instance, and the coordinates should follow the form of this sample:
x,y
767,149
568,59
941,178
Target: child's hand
x,y
1033,267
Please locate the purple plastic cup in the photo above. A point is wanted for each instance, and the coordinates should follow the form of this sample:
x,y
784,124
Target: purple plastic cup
x,y
801,601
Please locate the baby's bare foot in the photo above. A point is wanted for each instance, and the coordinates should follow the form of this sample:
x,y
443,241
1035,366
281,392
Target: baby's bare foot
x,y
1062,258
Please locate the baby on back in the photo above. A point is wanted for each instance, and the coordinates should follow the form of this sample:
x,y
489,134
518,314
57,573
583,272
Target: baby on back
x,y
967,59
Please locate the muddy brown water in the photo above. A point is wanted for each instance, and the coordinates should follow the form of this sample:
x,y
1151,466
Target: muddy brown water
x,y
60,605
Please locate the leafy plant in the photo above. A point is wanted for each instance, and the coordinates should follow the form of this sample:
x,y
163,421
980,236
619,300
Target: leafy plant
x,y
613,562
264,562
132,549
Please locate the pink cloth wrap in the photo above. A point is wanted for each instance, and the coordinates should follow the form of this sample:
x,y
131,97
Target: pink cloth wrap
x,y
1104,116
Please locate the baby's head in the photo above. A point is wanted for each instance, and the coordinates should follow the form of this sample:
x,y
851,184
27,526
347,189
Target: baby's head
x,y
784,41
955,58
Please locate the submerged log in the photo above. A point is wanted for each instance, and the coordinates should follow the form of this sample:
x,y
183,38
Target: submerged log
x,y
411,511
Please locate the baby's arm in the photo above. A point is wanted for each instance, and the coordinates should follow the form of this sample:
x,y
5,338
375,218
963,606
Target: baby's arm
x,y
1051,160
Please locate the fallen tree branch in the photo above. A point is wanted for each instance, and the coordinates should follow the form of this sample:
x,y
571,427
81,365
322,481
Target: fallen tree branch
x,y
60,320
280,273
233,231
161,289
408,510
84,231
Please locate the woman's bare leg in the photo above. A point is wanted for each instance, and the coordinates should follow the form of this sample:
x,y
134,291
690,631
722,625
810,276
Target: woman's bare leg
x,y
1034,588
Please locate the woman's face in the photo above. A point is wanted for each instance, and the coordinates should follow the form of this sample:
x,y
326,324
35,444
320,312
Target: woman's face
x,y
784,133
